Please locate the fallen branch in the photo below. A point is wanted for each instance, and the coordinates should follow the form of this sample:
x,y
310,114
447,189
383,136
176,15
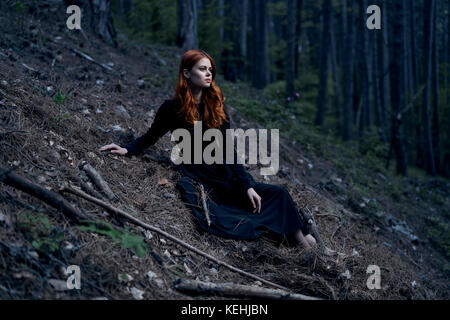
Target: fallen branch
x,y
237,290
205,205
89,58
66,188
97,179
50,197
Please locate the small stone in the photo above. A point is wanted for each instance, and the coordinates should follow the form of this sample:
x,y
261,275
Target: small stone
x,y
169,195
151,275
214,271
137,294
58,285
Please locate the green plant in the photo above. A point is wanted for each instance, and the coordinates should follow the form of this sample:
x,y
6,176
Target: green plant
x,y
20,8
59,99
124,238
44,234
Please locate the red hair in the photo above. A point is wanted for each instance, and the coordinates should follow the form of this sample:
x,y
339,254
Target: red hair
x,y
212,97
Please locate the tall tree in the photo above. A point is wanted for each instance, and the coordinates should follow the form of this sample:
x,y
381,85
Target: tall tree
x,y
436,138
398,92
323,69
385,80
259,45
187,24
428,50
298,32
291,49
347,129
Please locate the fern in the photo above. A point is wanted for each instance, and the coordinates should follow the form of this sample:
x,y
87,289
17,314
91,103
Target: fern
x,y
124,238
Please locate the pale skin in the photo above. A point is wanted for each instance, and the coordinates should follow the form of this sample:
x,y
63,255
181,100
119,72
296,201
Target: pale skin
x,y
199,77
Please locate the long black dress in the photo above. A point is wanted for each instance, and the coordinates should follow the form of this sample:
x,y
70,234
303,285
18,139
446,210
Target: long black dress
x,y
231,211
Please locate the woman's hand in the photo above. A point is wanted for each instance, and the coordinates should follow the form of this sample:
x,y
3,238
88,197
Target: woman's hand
x,y
255,199
114,149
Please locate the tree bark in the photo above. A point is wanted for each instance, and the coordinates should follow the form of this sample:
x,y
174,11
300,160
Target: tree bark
x,y
98,15
298,32
385,86
290,51
398,92
347,132
323,71
260,56
236,290
428,49
436,139
187,24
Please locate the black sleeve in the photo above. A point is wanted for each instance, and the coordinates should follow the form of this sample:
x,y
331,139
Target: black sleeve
x,y
158,128
239,171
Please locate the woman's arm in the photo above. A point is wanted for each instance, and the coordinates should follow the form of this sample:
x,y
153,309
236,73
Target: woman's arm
x,y
240,172
160,125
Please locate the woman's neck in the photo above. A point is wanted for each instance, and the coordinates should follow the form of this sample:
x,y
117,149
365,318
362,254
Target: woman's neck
x,y
197,93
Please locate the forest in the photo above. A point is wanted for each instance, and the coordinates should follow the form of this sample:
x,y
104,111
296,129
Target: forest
x,y
358,89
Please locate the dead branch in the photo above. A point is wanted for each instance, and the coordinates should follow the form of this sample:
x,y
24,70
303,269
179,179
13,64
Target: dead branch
x,y
66,188
205,205
89,58
97,179
50,197
237,290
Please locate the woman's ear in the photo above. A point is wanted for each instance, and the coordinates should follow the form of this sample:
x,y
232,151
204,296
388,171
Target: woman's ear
x,y
186,73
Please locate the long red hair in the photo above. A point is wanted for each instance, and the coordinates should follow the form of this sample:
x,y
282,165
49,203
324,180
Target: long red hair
x,y
212,97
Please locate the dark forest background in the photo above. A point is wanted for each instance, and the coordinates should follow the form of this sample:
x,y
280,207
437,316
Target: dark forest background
x,y
386,88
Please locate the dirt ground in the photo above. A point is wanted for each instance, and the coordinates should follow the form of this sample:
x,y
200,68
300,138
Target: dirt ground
x,y
46,138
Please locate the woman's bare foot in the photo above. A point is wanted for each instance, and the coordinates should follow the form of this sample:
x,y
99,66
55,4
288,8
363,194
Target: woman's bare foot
x,y
311,240
302,241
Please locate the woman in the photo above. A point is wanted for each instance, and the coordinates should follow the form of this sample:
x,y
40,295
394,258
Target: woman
x,y
240,208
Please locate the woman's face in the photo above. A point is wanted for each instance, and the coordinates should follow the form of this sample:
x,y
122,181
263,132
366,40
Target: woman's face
x,y
200,74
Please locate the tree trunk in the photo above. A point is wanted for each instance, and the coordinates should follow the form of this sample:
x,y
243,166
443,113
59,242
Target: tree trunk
x,y
298,30
260,56
398,94
98,15
290,51
334,71
187,24
323,72
435,79
347,132
428,45
385,85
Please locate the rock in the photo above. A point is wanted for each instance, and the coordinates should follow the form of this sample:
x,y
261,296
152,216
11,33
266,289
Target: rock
x,y
346,274
169,195
214,271
151,275
188,270
137,293
58,285
121,111
117,128
141,84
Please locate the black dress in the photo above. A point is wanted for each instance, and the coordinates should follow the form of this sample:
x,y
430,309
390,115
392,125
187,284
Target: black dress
x,y
231,211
